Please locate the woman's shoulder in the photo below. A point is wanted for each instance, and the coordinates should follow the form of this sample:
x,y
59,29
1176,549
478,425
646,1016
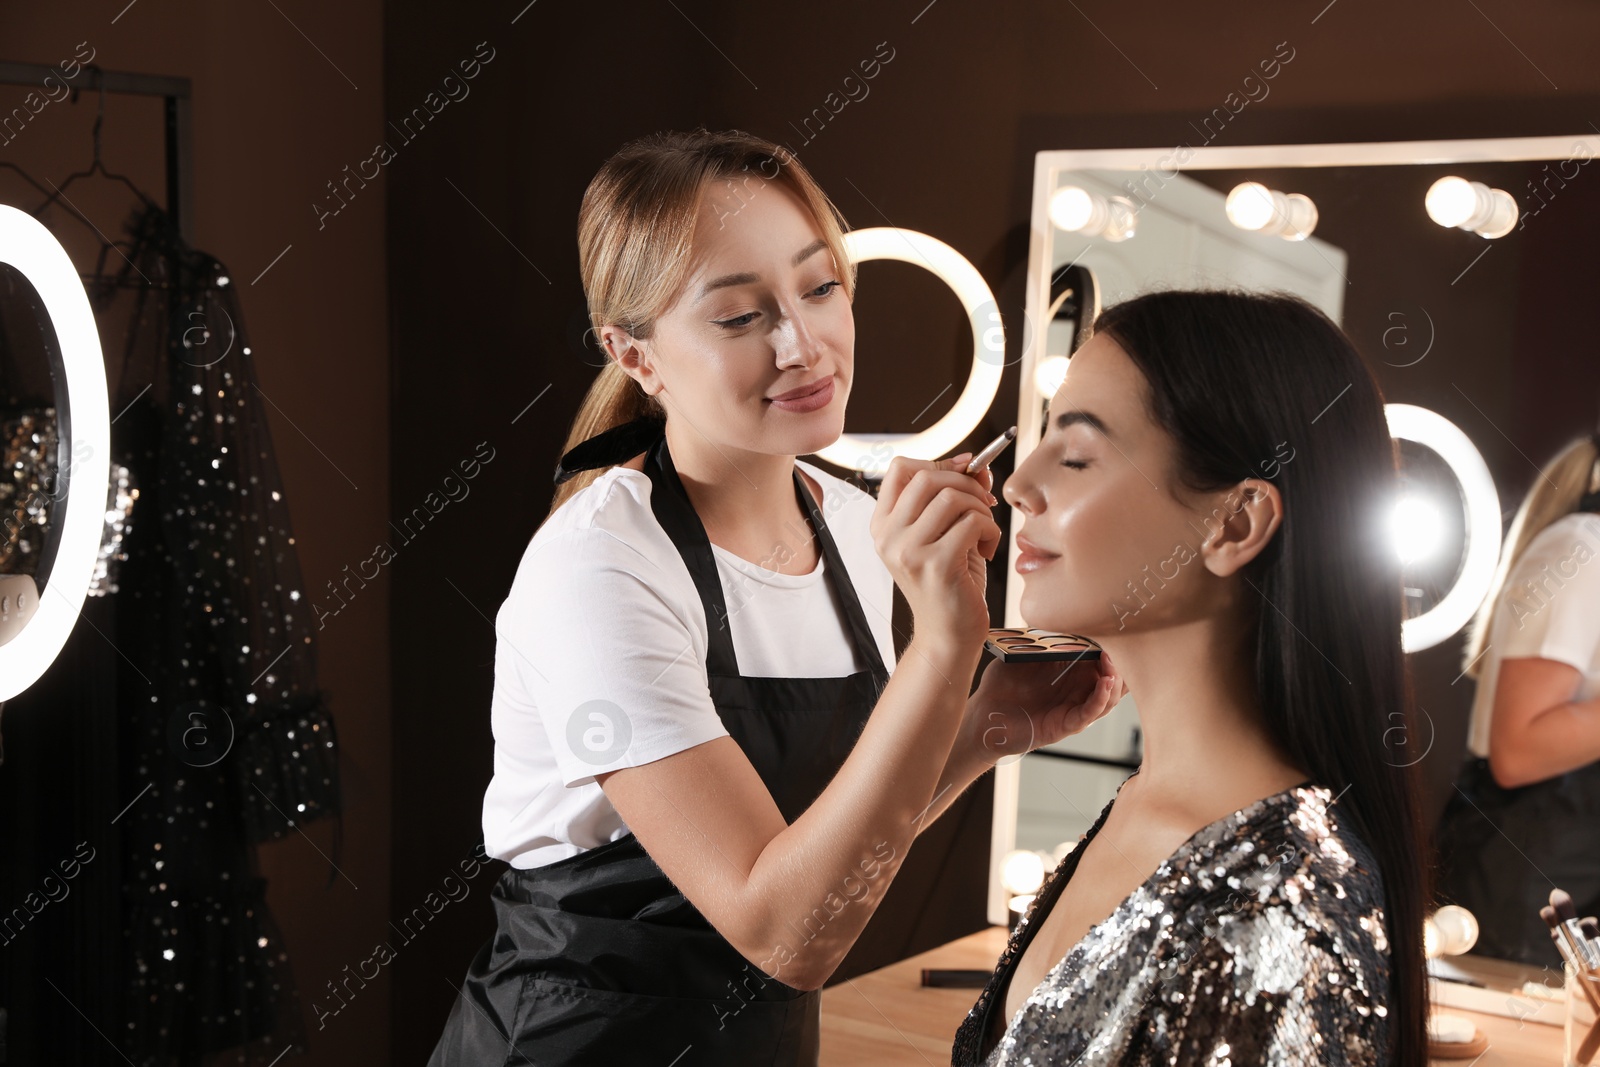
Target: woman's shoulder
x,y
608,525
1291,860
1292,889
1573,537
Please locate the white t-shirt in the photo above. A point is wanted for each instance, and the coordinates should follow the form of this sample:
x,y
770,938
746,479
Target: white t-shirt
x,y
600,653
1549,609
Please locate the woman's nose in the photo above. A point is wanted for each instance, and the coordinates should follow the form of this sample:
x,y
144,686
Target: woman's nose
x,y
798,344
1012,493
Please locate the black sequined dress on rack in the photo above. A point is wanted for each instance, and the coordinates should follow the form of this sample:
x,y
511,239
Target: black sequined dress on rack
x,y
204,651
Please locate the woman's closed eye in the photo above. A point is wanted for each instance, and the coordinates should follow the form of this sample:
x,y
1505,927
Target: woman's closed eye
x,y
821,292
1075,464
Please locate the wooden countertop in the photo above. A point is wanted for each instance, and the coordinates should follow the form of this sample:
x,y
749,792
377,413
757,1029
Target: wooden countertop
x,y
886,1018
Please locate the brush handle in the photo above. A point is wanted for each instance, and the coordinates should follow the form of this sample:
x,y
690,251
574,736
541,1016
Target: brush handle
x,y
1591,1044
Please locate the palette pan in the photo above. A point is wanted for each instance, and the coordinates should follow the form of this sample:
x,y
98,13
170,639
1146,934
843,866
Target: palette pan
x,y
1011,644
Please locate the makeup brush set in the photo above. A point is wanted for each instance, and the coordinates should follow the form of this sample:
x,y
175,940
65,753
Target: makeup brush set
x,y
1578,941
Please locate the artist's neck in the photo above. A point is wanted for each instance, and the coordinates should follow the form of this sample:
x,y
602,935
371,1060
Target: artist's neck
x,y
742,495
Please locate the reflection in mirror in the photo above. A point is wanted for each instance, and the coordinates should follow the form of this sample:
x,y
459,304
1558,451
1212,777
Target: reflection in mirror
x,y
32,488
1489,331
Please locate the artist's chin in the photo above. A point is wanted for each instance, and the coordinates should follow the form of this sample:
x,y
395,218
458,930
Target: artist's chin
x,y
821,429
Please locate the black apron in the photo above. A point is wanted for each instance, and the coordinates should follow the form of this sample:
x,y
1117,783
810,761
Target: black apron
x,y
1501,851
597,958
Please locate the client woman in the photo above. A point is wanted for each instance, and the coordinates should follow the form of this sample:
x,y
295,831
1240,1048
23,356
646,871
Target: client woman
x,y
1208,502
705,777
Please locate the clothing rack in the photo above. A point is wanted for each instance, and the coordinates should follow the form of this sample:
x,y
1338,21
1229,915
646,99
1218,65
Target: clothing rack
x,y
178,128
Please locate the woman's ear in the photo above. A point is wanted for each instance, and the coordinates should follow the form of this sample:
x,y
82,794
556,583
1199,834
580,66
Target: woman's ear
x,y
1241,526
632,355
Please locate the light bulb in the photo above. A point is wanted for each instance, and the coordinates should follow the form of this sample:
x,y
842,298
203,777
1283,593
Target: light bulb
x,y
1022,871
1252,206
1473,206
1451,201
1416,527
1048,374
1071,208
1249,205
1457,929
1077,210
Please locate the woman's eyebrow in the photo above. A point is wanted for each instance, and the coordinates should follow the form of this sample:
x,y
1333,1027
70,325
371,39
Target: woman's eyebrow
x,y
747,277
1073,416
808,251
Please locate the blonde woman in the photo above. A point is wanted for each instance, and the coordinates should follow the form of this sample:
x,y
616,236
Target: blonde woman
x,y
705,776
1522,818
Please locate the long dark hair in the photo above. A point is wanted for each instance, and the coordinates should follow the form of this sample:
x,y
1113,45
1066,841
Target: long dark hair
x,y
1237,379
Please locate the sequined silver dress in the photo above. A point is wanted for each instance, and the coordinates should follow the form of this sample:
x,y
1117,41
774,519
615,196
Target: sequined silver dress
x,y
1259,941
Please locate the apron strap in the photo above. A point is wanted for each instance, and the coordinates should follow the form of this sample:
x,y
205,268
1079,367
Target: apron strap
x,y
675,512
859,630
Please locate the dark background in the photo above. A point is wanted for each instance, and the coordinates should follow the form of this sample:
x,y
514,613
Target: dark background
x,y
443,300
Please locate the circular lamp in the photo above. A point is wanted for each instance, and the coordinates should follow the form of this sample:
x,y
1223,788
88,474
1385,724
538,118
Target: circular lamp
x,y
1438,434
871,454
84,448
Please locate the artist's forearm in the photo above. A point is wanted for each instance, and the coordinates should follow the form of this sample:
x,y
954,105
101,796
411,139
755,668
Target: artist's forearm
x,y
821,879
961,769
1555,741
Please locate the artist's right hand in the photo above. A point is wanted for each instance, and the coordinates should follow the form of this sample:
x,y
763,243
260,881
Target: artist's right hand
x,y
934,530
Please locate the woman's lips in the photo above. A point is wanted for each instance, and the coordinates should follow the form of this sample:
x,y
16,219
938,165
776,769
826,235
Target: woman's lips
x,y
821,398
1031,557
1028,562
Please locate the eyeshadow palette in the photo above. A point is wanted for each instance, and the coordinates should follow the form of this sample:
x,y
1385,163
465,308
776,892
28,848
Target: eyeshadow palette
x,y
1033,645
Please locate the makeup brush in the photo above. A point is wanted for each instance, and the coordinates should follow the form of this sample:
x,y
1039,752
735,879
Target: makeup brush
x,y
1567,914
1565,949
981,461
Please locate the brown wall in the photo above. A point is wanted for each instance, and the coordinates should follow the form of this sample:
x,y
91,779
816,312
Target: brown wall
x,y
478,208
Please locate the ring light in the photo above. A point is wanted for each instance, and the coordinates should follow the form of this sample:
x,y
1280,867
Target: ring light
x,y
85,422
871,453
1441,436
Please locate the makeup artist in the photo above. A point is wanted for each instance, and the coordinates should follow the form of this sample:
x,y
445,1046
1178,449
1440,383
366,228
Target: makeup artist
x,y
1527,802
705,775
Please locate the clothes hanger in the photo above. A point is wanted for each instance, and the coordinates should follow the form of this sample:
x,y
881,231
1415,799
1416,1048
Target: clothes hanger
x,y
25,176
96,167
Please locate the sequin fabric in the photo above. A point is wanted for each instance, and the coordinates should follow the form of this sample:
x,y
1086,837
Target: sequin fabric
x,y
30,492
1259,941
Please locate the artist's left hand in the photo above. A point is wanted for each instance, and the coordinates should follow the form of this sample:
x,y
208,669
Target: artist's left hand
x,y
1019,707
